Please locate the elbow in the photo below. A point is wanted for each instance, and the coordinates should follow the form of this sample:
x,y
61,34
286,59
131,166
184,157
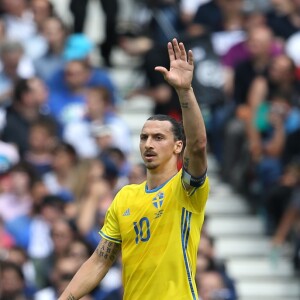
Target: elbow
x,y
198,146
274,151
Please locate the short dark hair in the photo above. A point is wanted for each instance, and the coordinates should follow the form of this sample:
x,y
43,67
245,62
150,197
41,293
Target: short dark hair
x,y
25,167
177,127
54,201
65,147
21,87
8,265
46,123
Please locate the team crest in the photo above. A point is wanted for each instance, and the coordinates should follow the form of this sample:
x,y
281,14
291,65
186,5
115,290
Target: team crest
x,y
158,200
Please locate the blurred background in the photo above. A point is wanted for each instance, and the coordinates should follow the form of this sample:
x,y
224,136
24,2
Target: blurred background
x,y
77,82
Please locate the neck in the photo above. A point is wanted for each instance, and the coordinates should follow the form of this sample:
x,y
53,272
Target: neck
x,y
156,178
62,175
77,89
56,48
261,62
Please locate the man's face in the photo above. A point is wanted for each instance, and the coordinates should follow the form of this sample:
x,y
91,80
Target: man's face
x,y
95,105
76,75
11,283
157,144
211,283
53,32
259,42
14,7
10,62
231,5
39,91
281,69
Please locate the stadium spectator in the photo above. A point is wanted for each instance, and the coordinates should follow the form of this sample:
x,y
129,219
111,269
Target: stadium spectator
x,y
137,174
110,9
29,99
19,256
59,181
234,154
41,141
12,283
212,286
284,18
100,118
217,15
40,243
64,268
67,90
16,201
14,67
55,33
6,239
19,20
91,215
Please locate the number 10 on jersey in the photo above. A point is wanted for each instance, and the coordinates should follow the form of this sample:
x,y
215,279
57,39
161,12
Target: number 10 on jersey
x,y
142,230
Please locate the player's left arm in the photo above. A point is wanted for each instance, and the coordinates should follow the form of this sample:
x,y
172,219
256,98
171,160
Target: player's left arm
x,y
180,77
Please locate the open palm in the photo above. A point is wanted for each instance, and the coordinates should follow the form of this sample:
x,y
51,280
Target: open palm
x,y
181,66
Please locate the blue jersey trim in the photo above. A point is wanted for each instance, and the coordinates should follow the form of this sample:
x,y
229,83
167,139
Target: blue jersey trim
x,y
109,238
185,232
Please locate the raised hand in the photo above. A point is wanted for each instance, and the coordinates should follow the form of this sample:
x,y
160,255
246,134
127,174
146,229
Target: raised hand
x,y
181,70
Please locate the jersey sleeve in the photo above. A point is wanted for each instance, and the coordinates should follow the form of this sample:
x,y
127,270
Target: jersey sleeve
x,y
110,230
199,197
195,200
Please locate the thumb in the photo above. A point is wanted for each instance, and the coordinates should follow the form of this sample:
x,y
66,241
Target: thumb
x,y
162,70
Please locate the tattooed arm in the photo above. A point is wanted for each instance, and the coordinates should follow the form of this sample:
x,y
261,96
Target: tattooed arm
x,y
92,271
180,77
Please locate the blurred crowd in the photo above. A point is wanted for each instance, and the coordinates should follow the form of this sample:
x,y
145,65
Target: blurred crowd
x,y
65,151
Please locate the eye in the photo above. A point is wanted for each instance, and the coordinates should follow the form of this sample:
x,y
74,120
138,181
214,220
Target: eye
x,y
158,137
143,137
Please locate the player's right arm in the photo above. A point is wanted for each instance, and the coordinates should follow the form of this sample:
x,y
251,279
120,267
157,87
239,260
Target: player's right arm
x,y
92,271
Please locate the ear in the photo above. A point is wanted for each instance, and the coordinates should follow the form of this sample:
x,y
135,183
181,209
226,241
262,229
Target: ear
x,y
178,147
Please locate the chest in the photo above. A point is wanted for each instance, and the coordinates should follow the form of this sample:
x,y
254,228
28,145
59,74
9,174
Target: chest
x,y
145,217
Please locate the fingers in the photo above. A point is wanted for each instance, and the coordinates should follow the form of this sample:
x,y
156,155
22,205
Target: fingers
x,y
176,49
162,70
182,52
190,57
171,52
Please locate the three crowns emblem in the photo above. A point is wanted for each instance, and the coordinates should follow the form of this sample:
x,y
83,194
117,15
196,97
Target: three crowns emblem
x,y
158,200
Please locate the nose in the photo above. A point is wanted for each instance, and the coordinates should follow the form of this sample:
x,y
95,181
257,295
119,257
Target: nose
x,y
148,143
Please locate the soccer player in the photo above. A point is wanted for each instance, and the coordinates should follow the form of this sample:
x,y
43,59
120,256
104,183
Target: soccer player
x,y
156,225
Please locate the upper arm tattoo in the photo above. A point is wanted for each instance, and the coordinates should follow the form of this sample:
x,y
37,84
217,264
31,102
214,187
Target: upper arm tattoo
x,y
108,250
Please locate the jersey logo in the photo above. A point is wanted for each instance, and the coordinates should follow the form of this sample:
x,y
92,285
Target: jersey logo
x,y
126,212
158,214
158,200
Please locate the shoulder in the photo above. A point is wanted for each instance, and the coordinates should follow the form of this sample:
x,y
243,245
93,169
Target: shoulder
x,y
130,189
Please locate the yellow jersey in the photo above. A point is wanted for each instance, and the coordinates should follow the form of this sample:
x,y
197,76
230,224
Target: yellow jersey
x,y
159,231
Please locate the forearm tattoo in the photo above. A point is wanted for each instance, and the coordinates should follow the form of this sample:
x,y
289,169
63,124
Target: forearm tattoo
x,y
184,105
186,162
71,297
108,250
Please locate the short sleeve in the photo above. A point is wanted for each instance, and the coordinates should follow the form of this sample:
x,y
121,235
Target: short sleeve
x,y
194,200
198,199
110,230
